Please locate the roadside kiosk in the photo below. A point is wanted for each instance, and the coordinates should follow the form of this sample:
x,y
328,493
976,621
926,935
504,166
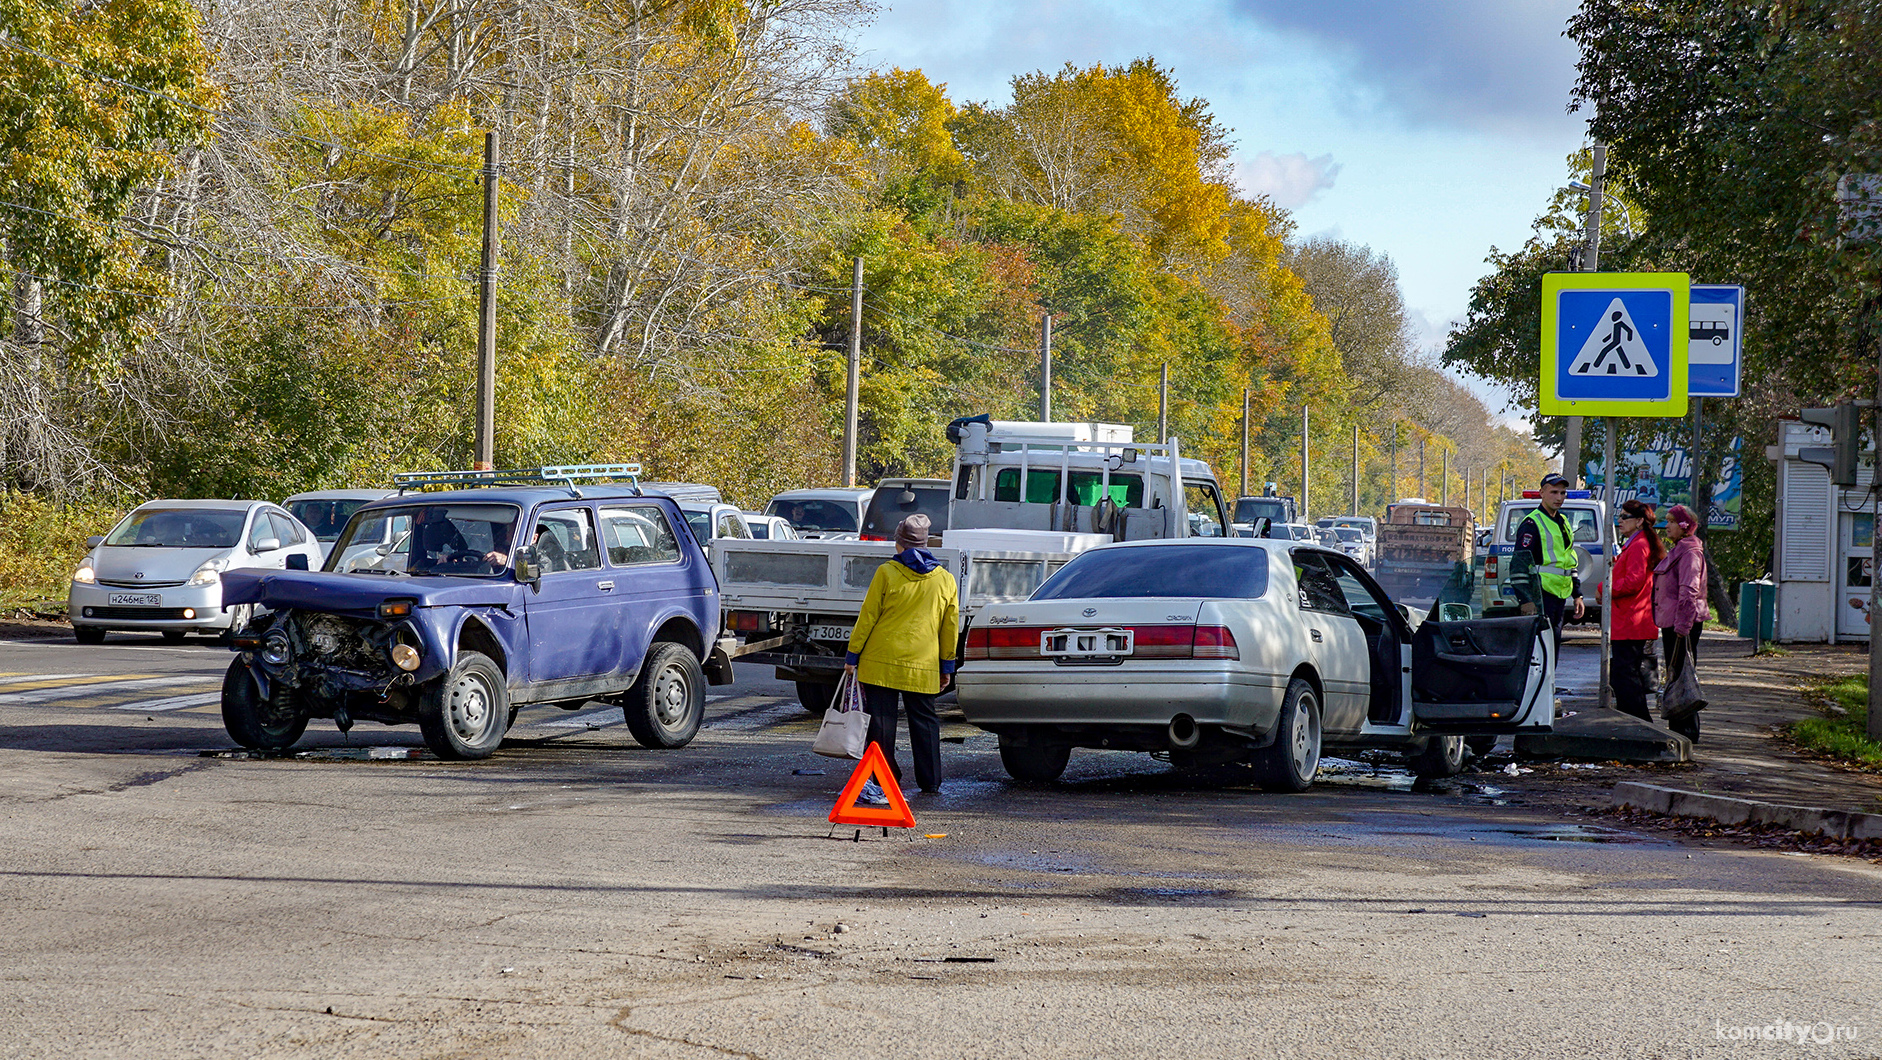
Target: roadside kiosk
x,y
1824,543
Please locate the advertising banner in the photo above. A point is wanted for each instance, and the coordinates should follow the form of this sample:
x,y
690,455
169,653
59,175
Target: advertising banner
x,y
1662,477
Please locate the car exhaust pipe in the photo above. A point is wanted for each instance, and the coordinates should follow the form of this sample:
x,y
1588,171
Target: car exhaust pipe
x,y
1184,734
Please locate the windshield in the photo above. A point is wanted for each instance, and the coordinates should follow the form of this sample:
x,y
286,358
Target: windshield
x,y
1201,571
893,503
1349,533
1248,509
180,528
325,518
1582,522
433,539
831,517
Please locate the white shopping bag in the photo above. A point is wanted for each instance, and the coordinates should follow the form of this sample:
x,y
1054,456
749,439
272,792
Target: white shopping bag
x,y
845,729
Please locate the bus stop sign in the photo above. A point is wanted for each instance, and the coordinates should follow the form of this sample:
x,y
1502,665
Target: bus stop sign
x,y
1615,343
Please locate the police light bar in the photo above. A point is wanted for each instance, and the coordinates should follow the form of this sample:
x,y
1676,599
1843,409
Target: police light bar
x,y
1584,495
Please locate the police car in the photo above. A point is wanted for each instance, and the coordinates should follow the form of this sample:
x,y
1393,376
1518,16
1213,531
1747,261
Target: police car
x,y
1588,524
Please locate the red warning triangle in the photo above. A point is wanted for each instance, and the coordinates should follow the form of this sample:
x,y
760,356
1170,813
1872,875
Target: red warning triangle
x,y
895,815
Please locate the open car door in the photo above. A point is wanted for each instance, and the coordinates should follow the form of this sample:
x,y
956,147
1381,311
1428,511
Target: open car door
x,y
1484,675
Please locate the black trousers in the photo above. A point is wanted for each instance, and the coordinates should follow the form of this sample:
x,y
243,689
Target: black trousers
x,y
924,731
1553,608
1632,673
1682,652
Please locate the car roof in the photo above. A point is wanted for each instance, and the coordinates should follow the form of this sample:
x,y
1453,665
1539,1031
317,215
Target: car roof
x,y
939,483
211,503
825,494
341,495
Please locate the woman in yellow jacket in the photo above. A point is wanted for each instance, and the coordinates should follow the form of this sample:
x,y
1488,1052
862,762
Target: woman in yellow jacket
x,y
903,648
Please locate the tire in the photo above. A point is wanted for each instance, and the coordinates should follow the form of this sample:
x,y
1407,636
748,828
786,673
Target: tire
x,y
816,695
88,634
237,619
1289,764
1443,756
1035,761
668,701
272,724
465,713
1480,745
173,636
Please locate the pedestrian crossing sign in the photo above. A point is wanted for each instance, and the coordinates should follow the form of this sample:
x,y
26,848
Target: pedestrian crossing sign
x,y
1615,343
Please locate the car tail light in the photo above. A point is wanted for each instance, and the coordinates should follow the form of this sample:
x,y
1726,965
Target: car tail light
x,y
1489,566
873,537
1003,642
746,621
1164,642
1216,642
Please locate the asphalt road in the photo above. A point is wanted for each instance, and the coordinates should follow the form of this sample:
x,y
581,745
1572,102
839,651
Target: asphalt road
x,y
576,895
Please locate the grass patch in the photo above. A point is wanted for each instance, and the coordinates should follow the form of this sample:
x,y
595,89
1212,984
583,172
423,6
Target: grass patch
x,y
40,545
1842,731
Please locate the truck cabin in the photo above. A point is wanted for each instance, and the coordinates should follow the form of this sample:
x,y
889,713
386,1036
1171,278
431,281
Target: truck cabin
x,y
1080,478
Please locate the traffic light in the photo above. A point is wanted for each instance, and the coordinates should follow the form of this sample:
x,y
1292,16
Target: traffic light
x,y
1845,439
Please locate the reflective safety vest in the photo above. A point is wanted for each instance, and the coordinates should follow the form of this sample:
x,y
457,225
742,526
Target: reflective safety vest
x,y
1556,574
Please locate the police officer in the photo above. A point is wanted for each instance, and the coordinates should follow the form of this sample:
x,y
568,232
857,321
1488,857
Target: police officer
x,y
1542,569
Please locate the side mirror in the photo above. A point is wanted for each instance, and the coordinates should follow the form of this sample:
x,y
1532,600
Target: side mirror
x,y
267,544
298,561
94,541
528,565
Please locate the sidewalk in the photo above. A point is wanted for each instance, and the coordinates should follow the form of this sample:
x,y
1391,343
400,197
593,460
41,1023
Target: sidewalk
x,y
1738,754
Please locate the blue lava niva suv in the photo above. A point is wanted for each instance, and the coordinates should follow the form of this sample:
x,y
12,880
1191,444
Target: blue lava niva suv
x,y
452,609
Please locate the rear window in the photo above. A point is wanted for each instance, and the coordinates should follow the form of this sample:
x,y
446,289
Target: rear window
x,y
1248,509
814,516
891,504
1196,571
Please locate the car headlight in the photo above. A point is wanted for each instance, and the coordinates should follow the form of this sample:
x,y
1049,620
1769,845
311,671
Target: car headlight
x,y
405,657
210,572
85,575
275,650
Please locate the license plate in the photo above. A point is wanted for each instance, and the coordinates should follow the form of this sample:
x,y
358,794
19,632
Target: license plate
x,y
841,633
136,600
1087,643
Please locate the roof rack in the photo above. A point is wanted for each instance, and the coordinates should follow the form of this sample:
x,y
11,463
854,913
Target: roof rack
x,y
565,476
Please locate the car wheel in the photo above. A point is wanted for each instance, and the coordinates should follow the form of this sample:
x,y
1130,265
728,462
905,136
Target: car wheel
x,y
1443,756
173,636
465,713
1035,761
667,703
816,696
88,634
271,724
1289,764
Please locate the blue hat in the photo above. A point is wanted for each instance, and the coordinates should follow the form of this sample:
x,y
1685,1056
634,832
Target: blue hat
x,y
1553,479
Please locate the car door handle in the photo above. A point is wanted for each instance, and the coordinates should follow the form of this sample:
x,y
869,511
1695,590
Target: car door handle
x,y
605,586
1316,635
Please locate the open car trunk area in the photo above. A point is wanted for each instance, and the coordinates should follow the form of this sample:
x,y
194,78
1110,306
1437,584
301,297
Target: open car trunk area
x,y
1484,675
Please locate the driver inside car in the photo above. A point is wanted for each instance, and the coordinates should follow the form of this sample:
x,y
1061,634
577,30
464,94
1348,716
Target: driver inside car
x,y
437,540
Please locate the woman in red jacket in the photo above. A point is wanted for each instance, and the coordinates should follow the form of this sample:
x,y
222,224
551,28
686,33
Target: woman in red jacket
x,y
1630,594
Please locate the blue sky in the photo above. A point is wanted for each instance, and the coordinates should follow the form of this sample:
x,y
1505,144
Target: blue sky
x,y
1430,130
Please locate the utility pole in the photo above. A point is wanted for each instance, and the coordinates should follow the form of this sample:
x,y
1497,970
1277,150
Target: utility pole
x,y
1444,477
1244,492
852,394
1304,477
486,441
1424,484
1163,405
1045,369
1608,493
1590,262
1391,491
1355,508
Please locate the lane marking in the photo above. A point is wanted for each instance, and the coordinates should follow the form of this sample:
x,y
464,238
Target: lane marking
x,y
92,689
172,703
30,678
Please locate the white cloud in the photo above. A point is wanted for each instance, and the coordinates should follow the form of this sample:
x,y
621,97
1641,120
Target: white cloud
x,y
1292,180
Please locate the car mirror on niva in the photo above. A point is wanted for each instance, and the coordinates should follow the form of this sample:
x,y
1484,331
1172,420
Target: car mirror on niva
x,y
528,565
298,561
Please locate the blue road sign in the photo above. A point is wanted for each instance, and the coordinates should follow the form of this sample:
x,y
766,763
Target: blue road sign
x,y
1614,344
1715,353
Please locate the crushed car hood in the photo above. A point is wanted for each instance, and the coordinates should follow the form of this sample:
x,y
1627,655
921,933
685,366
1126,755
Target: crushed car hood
x,y
325,591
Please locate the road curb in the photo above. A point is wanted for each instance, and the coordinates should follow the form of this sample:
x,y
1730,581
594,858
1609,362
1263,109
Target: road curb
x,y
1674,802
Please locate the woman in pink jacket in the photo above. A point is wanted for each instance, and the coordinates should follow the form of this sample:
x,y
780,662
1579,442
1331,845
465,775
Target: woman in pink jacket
x,y
1679,601
1631,595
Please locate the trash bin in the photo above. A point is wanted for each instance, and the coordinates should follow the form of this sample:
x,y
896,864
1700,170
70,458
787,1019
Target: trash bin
x,y
1757,609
